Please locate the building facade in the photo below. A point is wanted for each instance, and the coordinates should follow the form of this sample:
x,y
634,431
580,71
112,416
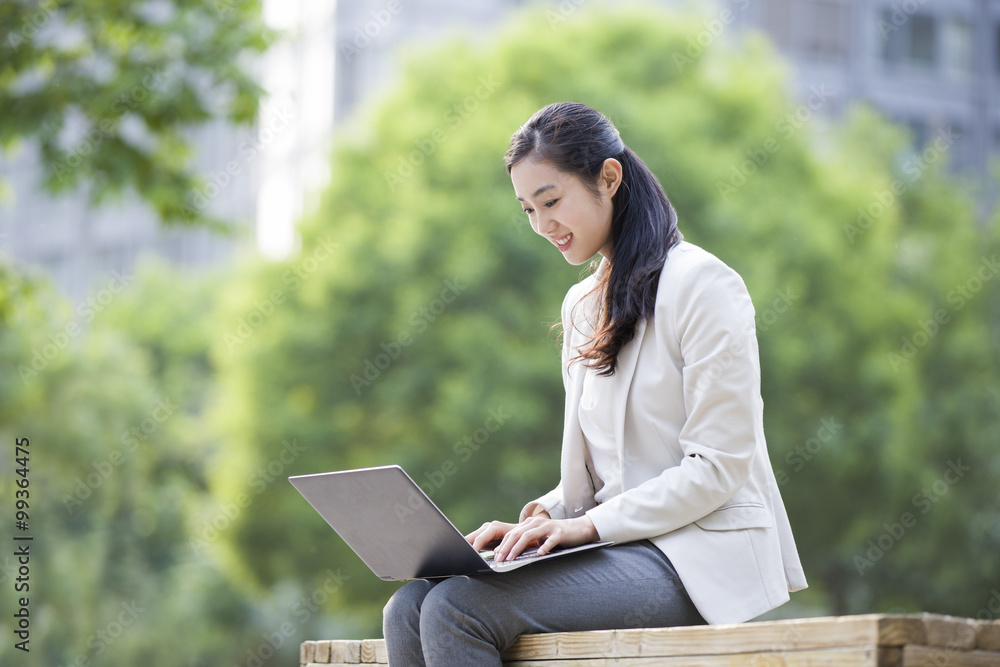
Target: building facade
x,y
932,65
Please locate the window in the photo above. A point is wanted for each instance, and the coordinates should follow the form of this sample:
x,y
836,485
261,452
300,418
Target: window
x,y
777,21
956,47
921,49
817,29
996,48
908,39
823,32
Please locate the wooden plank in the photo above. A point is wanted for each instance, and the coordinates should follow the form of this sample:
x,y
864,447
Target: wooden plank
x,y
306,652
949,631
373,651
797,641
988,635
348,651
890,656
896,630
869,630
321,651
928,656
842,657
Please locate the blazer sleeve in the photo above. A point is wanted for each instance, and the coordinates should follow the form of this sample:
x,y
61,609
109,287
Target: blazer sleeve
x,y
709,313
552,502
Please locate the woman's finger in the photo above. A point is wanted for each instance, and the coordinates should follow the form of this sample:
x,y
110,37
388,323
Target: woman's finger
x,y
488,533
521,537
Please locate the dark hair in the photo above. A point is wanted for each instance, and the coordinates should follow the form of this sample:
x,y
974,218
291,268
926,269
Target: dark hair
x,y
577,139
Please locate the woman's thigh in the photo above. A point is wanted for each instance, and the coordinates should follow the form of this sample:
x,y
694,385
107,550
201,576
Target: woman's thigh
x,y
623,586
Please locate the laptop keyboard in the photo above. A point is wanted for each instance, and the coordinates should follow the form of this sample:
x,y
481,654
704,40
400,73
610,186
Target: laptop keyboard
x,y
529,553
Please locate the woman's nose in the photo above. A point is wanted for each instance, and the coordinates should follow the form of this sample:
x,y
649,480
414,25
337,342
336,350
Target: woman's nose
x,y
543,224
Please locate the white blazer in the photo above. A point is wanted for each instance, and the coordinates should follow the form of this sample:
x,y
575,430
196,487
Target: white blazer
x,y
688,418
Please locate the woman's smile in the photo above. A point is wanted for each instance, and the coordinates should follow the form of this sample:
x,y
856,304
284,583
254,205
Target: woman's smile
x,y
563,242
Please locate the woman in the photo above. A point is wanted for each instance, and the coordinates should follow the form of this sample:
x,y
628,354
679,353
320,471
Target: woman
x,y
663,448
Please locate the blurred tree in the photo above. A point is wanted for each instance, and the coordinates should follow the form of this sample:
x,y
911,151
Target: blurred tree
x,y
116,469
108,90
419,303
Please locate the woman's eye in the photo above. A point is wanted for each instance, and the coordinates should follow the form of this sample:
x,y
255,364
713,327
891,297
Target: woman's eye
x,y
548,204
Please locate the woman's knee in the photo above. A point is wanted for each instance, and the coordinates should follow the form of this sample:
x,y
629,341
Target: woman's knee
x,y
463,605
404,605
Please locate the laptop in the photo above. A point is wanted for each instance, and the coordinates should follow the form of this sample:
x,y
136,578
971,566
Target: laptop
x,y
393,526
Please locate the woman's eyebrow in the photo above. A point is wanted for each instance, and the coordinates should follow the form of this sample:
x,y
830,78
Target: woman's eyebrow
x,y
539,191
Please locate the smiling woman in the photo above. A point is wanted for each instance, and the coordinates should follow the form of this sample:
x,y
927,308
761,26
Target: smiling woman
x,y
579,148
663,449
576,220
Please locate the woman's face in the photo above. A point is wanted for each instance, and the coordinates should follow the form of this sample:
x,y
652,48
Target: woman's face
x,y
562,209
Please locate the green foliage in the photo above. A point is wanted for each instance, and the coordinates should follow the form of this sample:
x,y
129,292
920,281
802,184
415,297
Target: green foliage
x,y
109,89
116,468
419,197
414,328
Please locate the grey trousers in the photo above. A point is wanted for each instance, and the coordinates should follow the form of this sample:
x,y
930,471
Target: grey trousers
x,y
469,620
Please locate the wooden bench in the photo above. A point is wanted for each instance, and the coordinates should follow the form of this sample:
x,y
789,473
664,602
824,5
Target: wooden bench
x,y
871,640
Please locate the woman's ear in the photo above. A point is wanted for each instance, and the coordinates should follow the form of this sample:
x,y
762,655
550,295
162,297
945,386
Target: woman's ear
x,y
611,176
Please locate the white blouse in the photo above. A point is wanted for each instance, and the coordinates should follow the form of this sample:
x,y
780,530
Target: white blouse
x,y
598,433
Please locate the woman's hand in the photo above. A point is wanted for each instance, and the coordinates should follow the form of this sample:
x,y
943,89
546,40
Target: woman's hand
x,y
489,534
538,529
495,530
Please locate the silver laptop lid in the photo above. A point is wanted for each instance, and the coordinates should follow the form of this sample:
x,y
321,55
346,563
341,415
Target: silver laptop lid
x,y
391,524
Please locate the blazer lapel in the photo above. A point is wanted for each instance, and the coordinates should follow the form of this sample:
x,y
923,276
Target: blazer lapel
x,y
578,493
628,356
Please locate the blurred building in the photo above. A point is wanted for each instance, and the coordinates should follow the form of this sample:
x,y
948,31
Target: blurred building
x,y
260,177
933,65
